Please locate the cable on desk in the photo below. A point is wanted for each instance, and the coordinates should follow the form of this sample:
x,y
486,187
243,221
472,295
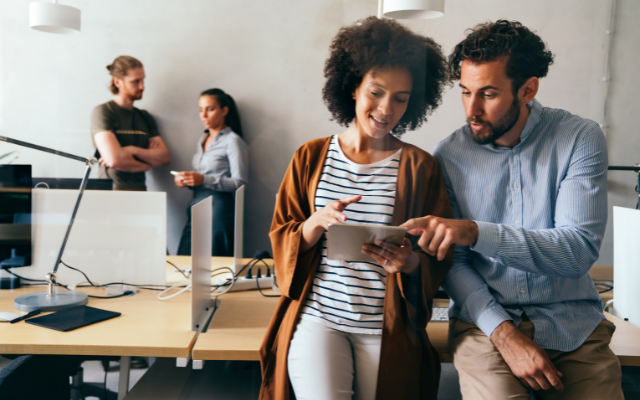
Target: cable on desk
x,y
215,272
145,287
258,278
260,290
162,288
126,293
184,289
179,269
607,285
26,279
230,284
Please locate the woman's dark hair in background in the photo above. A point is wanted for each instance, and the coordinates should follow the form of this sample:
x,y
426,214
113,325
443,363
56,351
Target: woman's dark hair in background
x,y
232,119
380,44
526,53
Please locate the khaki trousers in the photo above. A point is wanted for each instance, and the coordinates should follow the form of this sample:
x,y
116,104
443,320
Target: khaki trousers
x,y
590,372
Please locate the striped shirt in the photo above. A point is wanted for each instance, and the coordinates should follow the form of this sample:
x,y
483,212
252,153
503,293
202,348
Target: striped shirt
x,y
541,210
349,296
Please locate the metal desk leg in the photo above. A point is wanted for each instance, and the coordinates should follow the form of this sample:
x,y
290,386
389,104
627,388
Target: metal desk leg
x,y
123,382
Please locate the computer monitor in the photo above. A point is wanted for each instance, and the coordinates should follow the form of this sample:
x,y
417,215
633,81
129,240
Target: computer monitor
x,y
72,183
626,259
15,216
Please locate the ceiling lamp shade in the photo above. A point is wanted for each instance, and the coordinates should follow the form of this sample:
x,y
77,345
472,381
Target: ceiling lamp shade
x,y
413,9
54,18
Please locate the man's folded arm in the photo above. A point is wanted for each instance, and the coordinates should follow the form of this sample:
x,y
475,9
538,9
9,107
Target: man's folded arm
x,y
113,156
156,155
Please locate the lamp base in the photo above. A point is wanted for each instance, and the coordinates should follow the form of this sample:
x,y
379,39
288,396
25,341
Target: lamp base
x,y
43,301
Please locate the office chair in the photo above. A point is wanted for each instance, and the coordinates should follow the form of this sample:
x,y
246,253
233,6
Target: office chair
x,y
32,377
40,377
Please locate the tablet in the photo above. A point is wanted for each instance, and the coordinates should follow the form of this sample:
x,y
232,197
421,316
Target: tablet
x,y
72,318
344,242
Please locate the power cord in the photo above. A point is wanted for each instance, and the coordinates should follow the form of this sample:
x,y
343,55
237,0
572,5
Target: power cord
x,y
179,270
25,279
607,285
260,290
164,288
267,275
91,284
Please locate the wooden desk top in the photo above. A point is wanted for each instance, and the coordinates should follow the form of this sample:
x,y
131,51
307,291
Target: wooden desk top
x,y
237,327
625,342
147,327
240,323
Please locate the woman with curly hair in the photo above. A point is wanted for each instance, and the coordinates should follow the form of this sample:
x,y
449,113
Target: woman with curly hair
x,y
346,330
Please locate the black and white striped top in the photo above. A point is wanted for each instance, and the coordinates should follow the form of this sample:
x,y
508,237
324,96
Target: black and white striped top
x,y
349,296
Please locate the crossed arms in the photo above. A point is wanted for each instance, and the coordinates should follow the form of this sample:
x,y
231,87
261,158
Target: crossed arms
x,y
131,158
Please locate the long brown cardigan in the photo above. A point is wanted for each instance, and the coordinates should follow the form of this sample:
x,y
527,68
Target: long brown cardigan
x,y
409,365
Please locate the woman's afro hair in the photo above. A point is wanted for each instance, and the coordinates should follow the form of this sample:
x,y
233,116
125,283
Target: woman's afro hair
x,y
374,43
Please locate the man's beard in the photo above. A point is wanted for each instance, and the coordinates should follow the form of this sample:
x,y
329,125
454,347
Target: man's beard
x,y
134,96
501,127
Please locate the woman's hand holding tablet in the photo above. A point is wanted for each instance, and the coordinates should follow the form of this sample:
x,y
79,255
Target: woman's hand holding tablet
x,y
319,222
393,258
386,245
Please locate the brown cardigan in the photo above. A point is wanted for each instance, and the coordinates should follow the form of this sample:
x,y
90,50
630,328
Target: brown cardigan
x,y
409,365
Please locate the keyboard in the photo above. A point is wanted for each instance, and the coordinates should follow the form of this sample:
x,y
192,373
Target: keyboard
x,y
440,314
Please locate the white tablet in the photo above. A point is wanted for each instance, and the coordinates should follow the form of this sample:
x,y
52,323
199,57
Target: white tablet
x,y
344,242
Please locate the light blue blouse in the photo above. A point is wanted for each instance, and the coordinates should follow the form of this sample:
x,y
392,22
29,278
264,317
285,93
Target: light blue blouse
x,y
225,162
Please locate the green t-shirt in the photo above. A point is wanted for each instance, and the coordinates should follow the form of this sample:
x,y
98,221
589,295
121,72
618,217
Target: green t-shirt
x,y
132,128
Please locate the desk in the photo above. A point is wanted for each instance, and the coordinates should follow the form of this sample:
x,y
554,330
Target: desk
x,y
242,318
238,328
147,327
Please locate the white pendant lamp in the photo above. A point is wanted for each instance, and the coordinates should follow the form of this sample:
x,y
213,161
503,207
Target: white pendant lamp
x,y
413,9
54,18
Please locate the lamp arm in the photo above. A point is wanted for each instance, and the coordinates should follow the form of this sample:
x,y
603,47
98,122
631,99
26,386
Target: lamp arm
x,y
83,185
89,161
51,277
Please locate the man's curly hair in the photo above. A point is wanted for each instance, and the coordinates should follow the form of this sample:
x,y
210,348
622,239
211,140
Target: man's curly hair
x,y
374,43
526,53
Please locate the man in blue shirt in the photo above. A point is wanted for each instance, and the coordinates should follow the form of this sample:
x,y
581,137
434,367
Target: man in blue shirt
x,y
528,187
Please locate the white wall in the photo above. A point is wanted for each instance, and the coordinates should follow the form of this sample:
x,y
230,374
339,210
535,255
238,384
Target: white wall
x,y
269,56
623,120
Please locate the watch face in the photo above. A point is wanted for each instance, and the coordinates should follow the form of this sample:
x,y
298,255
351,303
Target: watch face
x,y
15,216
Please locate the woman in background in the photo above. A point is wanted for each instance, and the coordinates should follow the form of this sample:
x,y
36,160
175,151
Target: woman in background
x,y
220,168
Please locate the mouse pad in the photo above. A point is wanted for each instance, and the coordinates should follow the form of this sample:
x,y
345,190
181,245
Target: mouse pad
x,y
72,318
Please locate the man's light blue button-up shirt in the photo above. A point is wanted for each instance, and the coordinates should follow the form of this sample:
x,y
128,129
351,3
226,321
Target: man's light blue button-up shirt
x,y
541,210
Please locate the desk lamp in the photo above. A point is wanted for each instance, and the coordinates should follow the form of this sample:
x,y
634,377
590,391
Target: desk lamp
x,y
51,300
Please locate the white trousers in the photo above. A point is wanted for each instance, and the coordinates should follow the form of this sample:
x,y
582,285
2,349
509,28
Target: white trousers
x,y
327,364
